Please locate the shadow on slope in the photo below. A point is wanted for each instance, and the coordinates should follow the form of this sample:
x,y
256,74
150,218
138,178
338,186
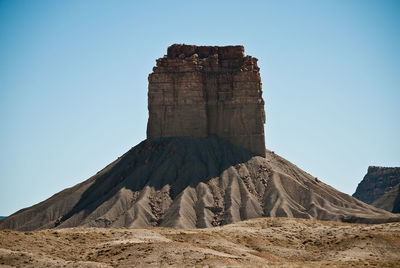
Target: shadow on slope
x,y
188,182
176,162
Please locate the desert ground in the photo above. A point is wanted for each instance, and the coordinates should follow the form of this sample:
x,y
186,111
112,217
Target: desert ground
x,y
269,242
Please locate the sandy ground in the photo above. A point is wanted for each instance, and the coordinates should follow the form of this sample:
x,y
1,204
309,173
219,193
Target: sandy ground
x,y
280,242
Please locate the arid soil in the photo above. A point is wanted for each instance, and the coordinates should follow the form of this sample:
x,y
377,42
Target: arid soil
x,y
279,242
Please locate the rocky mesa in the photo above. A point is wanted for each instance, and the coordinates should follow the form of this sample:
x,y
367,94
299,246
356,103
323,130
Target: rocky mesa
x,y
204,162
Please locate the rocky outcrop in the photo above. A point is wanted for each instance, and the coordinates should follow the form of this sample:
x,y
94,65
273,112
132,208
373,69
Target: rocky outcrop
x,y
380,187
198,91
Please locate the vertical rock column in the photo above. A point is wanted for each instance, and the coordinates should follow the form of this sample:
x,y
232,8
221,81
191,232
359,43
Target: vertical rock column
x,y
202,90
177,105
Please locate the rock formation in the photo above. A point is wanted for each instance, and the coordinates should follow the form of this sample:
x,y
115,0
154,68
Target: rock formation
x,y
199,166
390,200
198,91
380,187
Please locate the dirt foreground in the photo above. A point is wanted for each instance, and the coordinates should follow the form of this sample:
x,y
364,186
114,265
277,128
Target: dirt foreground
x,y
283,242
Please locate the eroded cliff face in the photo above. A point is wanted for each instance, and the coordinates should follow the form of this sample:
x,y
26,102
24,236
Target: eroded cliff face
x,y
380,187
198,91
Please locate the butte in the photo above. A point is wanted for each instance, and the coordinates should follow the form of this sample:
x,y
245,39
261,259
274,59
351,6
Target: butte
x,y
204,162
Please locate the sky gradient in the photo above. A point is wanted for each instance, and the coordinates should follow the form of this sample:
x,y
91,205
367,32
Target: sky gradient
x,y
73,83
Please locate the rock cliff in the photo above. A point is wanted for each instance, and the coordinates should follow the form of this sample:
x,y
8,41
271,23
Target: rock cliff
x,y
380,187
198,91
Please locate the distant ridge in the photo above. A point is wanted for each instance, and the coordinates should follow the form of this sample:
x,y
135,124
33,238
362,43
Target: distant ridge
x,y
2,217
380,187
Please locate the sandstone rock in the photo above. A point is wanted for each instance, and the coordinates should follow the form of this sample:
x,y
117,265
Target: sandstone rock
x,y
199,91
380,188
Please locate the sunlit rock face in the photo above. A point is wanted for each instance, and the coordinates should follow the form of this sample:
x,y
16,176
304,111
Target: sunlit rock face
x,y
198,91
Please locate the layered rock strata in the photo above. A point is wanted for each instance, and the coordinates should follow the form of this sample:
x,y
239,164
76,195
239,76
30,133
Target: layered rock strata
x,y
198,91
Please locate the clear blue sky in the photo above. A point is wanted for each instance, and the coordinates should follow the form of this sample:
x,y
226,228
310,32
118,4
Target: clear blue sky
x,y
73,83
